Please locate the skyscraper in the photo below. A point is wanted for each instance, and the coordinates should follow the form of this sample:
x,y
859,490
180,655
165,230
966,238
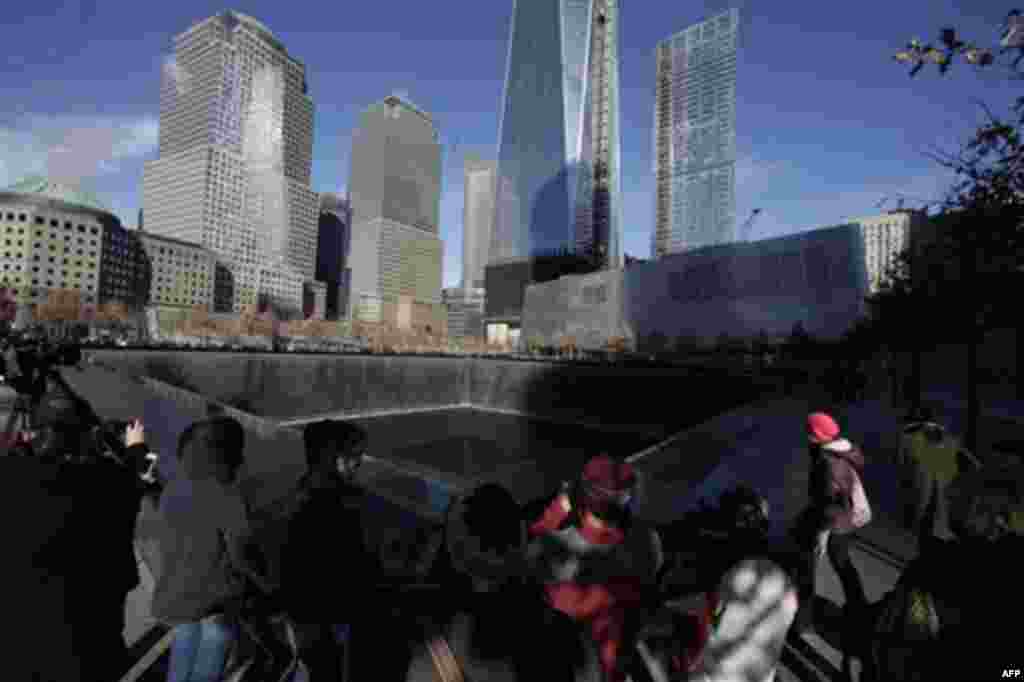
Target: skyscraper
x,y
558,150
395,198
332,251
695,136
477,220
235,155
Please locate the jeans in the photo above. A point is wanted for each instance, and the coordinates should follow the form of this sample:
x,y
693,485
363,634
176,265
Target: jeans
x,y
838,552
200,651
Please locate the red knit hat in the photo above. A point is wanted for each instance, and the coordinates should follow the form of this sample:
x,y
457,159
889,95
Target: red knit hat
x,y
822,428
607,481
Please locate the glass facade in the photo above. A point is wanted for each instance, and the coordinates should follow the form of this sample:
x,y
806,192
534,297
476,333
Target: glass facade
x,y
695,136
558,136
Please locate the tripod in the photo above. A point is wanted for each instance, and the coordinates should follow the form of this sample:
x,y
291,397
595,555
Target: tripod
x,y
20,420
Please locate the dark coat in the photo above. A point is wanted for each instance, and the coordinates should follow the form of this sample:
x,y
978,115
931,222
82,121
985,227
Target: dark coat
x,y
36,508
511,636
326,571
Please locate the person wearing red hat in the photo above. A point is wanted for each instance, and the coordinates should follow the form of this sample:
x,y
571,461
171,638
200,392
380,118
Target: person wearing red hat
x,y
596,560
825,526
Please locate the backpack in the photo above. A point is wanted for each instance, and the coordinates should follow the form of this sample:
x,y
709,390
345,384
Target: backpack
x,y
905,630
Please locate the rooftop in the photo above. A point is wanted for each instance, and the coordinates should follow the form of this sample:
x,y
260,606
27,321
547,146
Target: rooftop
x,y
41,187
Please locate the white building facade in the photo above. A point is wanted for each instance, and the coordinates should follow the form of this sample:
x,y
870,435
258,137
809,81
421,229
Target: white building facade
x,y
235,155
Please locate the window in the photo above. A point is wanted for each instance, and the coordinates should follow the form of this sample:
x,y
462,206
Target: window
x,y
39,221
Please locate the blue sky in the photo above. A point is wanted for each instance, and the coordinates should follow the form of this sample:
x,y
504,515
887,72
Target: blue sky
x,y
827,124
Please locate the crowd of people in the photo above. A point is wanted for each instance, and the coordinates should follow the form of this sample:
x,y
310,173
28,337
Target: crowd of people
x,y
572,587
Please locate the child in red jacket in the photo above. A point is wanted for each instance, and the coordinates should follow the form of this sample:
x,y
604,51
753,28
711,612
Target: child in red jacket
x,y
604,559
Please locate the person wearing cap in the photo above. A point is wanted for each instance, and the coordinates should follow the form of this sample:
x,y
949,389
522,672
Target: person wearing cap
x,y
596,560
502,629
836,466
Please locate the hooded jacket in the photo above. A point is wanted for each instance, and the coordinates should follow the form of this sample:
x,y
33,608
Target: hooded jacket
x,y
602,573
831,481
205,526
929,459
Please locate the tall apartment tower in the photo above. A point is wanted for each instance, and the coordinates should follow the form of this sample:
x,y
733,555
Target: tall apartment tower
x,y
395,199
885,237
695,137
235,155
477,220
559,182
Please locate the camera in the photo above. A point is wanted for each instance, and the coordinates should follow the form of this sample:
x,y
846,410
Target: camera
x,y
31,358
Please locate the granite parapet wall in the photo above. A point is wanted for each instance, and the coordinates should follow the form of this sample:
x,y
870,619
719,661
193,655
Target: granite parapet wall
x,y
283,388
286,387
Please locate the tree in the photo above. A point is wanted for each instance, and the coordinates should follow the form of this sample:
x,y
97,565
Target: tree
x,y
985,206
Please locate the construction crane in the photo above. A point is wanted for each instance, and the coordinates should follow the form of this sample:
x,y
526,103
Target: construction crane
x,y
745,229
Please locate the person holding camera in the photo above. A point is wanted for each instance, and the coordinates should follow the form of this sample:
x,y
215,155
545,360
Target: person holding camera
x,y
81,500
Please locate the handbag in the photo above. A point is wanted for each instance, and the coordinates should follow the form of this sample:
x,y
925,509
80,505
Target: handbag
x,y
448,669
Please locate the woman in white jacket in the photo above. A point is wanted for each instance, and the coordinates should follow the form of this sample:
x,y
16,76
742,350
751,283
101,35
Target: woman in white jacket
x,y
745,595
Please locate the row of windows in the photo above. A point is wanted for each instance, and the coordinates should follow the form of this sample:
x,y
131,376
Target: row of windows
x,y
41,220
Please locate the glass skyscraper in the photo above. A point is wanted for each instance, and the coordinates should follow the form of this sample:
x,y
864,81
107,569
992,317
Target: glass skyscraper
x,y
695,137
558,184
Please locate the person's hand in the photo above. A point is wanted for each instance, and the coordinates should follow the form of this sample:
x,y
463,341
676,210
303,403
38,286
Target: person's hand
x,y
135,434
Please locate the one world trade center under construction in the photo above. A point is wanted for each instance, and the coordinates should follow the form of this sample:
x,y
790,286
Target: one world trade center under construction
x,y
558,147
558,181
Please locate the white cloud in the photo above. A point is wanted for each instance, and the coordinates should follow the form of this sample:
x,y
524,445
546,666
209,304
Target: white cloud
x,y
73,148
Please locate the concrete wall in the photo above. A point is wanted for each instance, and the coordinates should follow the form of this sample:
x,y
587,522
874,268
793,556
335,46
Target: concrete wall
x,y
817,278
291,387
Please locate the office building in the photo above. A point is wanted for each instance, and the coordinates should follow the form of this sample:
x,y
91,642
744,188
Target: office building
x,y
125,271
395,193
558,177
53,235
477,220
465,313
695,137
333,241
182,273
885,237
235,154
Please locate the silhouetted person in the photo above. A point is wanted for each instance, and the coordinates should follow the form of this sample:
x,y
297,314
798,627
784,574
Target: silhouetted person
x,y
326,573
79,542
203,544
929,459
